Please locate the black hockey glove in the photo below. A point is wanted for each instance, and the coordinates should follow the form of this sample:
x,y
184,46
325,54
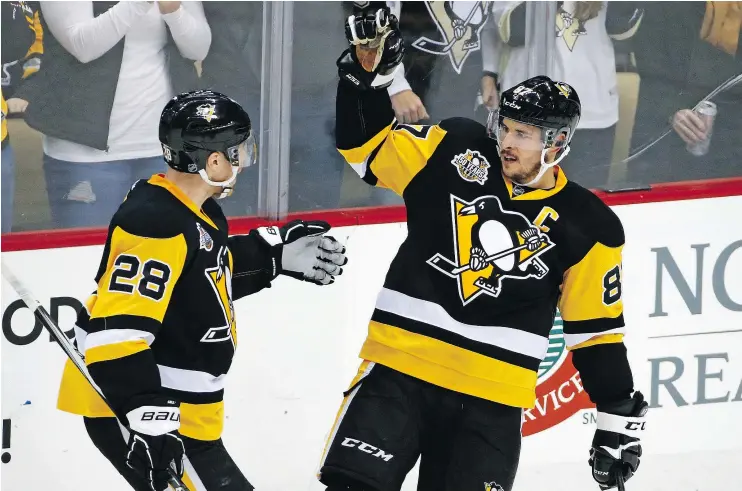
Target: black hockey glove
x,y
303,251
614,456
376,49
154,443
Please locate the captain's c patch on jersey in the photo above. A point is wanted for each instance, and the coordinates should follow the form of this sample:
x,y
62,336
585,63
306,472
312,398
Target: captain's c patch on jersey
x,y
491,245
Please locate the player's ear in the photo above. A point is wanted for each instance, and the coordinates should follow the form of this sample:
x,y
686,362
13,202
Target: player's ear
x,y
212,163
559,142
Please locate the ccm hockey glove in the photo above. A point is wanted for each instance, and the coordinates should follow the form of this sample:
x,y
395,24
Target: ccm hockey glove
x,y
303,251
154,443
614,456
376,49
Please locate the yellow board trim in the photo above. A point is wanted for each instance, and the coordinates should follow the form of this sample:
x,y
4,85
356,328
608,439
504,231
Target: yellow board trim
x,y
450,366
114,351
599,339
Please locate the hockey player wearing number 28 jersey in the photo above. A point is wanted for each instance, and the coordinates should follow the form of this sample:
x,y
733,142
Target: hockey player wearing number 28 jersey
x,y
160,332
497,240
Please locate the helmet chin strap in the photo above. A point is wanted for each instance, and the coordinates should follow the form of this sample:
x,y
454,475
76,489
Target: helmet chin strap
x,y
545,166
226,186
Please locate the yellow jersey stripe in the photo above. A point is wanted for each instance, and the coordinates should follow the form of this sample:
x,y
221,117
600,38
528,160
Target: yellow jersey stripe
x,y
359,154
77,396
449,366
501,392
202,421
403,155
134,286
591,288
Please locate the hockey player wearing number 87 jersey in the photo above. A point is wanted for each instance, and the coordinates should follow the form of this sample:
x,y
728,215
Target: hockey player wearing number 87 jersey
x,y
497,239
160,332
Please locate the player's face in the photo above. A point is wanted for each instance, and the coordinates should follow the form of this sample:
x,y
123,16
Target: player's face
x,y
520,150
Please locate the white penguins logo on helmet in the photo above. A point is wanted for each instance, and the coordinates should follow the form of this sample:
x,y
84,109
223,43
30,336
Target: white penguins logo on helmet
x,y
491,244
206,111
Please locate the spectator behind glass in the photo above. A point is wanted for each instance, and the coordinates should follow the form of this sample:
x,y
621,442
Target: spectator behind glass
x,y
685,51
21,48
584,58
98,100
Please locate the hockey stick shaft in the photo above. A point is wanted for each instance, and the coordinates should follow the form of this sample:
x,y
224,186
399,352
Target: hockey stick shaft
x,y
489,259
620,484
69,349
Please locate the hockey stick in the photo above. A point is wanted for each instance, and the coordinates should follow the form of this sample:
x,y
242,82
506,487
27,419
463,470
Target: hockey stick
x,y
69,349
619,480
435,261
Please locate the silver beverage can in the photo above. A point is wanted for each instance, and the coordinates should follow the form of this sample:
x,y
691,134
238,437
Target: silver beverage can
x,y
706,110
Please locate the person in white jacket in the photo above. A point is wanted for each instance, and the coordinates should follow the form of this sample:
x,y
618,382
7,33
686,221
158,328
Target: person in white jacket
x,y
130,39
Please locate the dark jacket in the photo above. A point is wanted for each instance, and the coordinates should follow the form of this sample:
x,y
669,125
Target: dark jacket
x,y
72,101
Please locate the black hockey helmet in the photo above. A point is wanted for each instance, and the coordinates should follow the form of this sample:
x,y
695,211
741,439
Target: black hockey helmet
x,y
195,124
552,106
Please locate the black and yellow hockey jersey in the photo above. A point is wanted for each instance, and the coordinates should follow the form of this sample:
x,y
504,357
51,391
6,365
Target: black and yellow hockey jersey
x,y
470,298
162,320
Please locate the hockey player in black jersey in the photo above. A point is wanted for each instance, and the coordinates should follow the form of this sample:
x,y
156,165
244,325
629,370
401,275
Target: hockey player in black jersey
x,y
159,333
498,240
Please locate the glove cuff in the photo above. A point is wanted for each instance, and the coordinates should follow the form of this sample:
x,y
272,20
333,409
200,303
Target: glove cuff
x,y
154,420
152,414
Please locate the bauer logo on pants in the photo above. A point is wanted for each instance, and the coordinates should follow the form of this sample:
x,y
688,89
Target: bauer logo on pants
x,y
491,245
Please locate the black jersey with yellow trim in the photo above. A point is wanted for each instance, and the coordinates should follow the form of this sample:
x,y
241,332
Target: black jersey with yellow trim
x,y
161,322
470,298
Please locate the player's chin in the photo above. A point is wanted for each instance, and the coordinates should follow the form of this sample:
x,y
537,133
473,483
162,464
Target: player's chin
x,y
512,168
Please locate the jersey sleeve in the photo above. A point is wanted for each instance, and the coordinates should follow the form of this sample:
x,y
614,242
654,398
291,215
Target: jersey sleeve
x,y
134,286
254,264
383,152
591,306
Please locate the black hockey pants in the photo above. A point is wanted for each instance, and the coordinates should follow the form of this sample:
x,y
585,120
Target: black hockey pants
x,y
208,465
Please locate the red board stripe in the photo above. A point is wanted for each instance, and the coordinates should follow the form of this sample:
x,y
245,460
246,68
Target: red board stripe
x,y
53,239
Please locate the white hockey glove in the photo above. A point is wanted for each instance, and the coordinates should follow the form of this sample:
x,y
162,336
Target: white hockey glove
x,y
155,444
304,252
616,448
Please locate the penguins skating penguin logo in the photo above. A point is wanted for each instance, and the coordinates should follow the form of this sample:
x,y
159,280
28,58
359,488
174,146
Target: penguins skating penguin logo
x,y
569,28
460,24
491,245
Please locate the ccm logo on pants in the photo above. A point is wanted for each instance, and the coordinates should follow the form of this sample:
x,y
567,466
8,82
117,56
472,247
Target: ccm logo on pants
x,y
369,449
